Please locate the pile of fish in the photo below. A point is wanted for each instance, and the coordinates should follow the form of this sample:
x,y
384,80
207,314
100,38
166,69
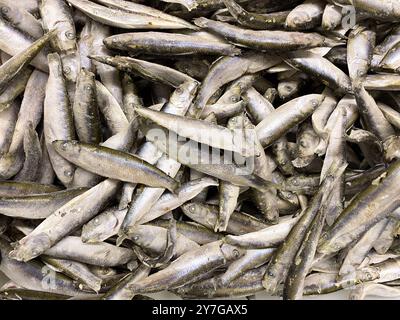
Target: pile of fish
x,y
207,148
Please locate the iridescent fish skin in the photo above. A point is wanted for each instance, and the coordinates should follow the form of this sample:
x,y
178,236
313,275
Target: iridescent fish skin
x,y
114,164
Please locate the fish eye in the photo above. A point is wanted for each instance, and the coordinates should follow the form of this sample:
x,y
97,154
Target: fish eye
x,y
70,35
64,145
36,251
236,253
5,9
68,173
67,70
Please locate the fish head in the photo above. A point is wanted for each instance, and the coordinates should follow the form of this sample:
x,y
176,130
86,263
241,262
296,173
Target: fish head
x,y
87,77
192,210
236,122
297,20
143,235
287,89
230,252
93,231
70,66
367,274
30,247
184,93
391,148
114,42
66,147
